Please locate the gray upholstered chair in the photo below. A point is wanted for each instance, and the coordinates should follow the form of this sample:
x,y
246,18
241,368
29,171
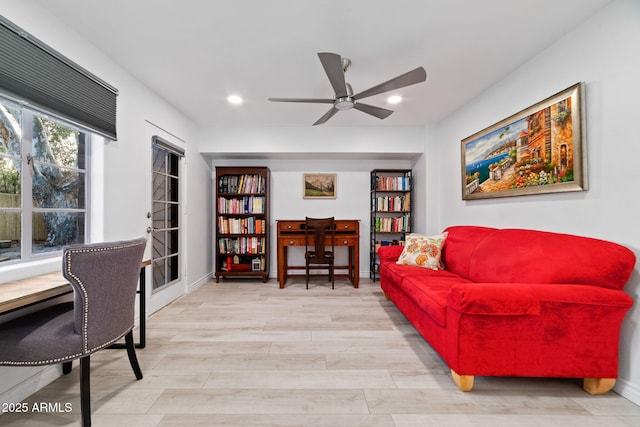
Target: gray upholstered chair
x,y
317,253
104,278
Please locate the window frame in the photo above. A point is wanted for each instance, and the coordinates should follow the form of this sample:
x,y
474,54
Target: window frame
x,y
27,210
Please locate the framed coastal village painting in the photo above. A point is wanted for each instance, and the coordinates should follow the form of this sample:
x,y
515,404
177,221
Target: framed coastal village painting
x,y
319,185
538,150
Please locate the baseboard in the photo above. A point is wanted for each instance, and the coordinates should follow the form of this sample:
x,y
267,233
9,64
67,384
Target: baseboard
x,y
195,285
362,275
627,390
30,385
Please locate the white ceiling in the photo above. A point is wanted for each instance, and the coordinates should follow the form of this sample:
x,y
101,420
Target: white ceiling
x,y
194,53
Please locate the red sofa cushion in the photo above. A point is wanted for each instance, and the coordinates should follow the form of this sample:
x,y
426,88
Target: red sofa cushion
x,y
431,297
530,256
460,246
397,273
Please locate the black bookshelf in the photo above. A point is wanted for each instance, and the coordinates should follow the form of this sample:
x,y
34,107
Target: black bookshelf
x,y
391,211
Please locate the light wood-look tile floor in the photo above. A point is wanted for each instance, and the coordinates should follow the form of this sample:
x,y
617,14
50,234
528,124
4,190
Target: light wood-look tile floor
x,y
246,353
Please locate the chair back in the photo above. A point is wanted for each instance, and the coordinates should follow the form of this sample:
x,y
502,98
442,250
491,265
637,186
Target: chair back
x,y
319,228
104,277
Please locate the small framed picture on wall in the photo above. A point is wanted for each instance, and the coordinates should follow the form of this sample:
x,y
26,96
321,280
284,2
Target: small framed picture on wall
x,y
319,185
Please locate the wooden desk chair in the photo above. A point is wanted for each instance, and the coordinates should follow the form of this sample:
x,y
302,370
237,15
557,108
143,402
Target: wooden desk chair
x,y
318,254
104,278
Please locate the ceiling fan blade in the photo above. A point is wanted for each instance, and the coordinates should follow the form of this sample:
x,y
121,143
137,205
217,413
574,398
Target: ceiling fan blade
x,y
381,113
332,63
311,100
326,116
412,77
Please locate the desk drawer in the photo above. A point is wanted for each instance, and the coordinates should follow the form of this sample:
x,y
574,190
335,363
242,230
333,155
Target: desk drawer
x,y
346,226
299,241
345,241
290,226
291,240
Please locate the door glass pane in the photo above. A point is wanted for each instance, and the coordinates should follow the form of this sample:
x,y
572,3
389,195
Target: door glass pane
x,y
173,190
172,241
159,158
172,215
159,186
173,164
159,271
159,215
159,244
172,267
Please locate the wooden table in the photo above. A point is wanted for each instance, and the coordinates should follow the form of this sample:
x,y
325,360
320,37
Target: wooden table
x,y
291,233
21,293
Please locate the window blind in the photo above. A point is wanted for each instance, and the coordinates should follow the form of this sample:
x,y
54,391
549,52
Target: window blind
x,y
34,74
179,151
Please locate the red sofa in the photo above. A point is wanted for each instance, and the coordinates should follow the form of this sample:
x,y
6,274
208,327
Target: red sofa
x,y
513,302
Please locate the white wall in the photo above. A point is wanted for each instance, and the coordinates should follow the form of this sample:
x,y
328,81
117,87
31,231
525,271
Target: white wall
x,y
351,153
307,142
602,53
123,192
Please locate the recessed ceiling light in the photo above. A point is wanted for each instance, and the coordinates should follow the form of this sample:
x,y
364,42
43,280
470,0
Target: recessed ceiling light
x,y
234,99
394,99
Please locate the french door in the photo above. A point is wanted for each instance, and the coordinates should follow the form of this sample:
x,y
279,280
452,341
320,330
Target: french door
x,y
166,215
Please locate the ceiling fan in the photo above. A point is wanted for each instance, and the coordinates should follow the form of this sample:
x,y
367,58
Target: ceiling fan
x,y
335,66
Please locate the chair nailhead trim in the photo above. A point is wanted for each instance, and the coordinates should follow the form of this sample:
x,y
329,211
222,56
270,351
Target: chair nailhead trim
x,y
61,359
85,299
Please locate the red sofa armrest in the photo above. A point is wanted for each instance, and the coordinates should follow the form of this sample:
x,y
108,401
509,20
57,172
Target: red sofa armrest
x,y
494,299
389,253
520,298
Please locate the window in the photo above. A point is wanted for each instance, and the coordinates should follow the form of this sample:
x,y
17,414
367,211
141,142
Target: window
x,y
43,184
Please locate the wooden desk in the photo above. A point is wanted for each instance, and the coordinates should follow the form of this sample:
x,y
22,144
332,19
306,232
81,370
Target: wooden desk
x,y
291,233
21,293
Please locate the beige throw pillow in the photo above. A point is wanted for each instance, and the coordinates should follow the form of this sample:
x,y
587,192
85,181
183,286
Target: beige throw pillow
x,y
423,251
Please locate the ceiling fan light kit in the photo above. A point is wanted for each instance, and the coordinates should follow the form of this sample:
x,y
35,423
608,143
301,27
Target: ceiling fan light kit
x,y
335,67
345,103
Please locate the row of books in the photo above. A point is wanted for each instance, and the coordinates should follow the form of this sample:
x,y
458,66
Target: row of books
x,y
241,184
392,183
246,204
388,243
393,225
242,245
391,203
249,225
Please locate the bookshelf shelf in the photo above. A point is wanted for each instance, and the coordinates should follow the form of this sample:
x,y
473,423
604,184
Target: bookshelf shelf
x,y
391,208
242,222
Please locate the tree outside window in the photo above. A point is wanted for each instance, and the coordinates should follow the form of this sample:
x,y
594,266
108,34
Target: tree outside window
x,y
43,184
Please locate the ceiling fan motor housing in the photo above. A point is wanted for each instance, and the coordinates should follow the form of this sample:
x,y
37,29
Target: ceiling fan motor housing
x,y
345,103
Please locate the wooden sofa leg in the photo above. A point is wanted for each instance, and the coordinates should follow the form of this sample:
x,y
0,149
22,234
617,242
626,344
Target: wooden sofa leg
x,y
598,385
464,382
